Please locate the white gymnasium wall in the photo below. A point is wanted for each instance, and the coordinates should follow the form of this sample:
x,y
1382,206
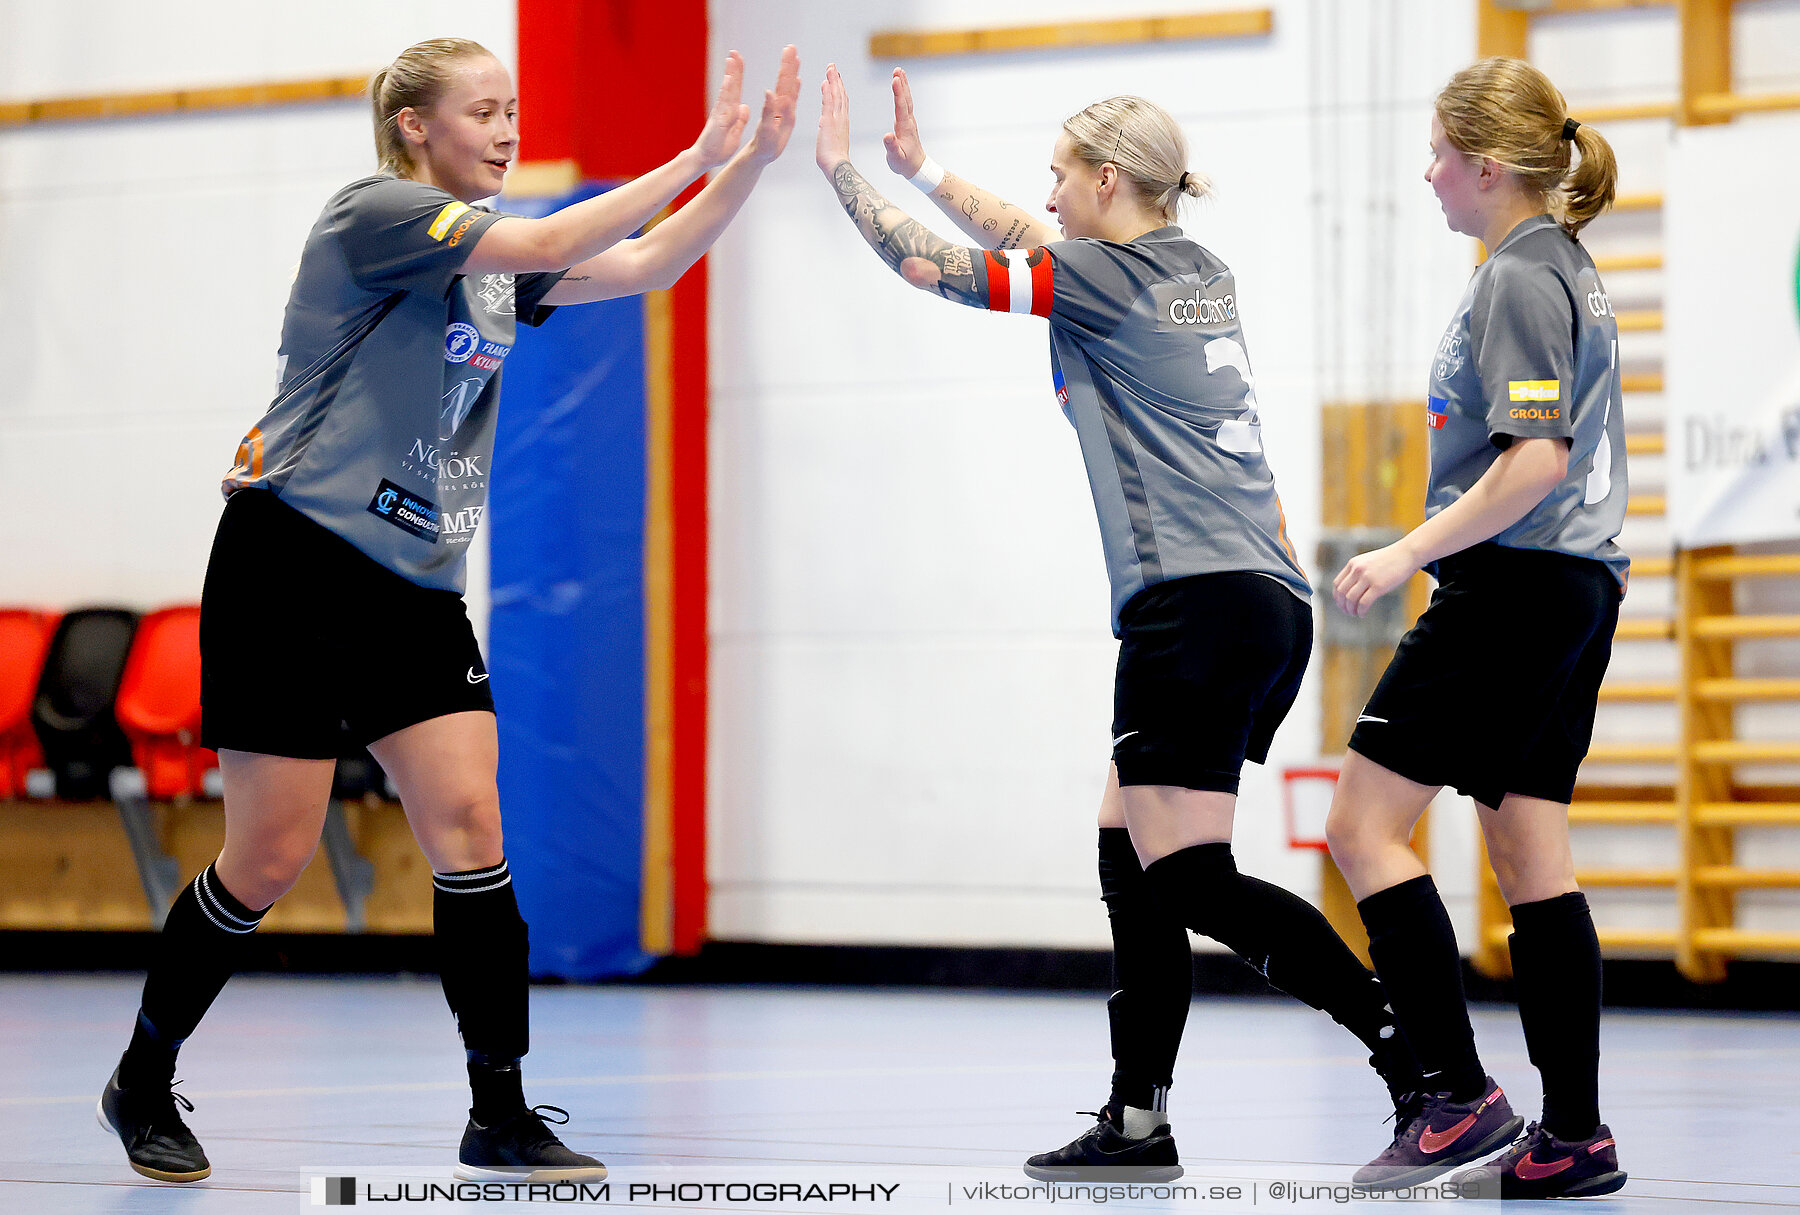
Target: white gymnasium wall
x,y
148,262
912,665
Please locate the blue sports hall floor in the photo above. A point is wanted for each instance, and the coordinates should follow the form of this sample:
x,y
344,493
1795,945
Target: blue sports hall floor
x,y
687,1093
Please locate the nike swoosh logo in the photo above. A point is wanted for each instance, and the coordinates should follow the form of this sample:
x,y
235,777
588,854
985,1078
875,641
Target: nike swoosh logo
x,y
1121,738
1432,1142
1366,717
474,678
1530,1170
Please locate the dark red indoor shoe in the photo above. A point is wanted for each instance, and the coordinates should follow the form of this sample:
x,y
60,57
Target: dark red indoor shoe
x,y
1543,1166
1434,1134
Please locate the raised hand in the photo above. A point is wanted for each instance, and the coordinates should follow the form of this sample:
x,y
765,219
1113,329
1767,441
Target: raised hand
x,y
779,103
905,153
725,125
834,122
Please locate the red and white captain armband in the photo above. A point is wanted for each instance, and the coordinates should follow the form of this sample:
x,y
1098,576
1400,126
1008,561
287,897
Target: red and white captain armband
x,y
1019,280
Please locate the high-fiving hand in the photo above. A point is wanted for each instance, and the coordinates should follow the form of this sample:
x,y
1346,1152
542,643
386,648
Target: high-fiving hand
x,y
779,103
905,152
834,122
724,128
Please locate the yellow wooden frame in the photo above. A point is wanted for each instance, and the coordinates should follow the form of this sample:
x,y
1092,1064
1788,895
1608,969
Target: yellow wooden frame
x,y
202,100
1072,35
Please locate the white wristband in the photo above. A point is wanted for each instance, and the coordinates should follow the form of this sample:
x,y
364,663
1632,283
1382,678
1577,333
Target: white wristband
x,y
929,176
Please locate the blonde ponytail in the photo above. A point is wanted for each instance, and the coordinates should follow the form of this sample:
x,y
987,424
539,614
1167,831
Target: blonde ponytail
x,y
1509,112
1590,189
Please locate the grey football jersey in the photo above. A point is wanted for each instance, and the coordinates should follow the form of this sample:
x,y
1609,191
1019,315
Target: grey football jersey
x,y
1533,352
1148,361
382,428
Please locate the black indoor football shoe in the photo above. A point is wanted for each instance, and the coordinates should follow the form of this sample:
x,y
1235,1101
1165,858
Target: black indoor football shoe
x,y
522,1148
1103,1154
1543,1166
157,1142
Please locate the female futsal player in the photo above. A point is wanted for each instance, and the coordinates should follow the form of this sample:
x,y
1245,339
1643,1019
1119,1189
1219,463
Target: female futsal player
x,y
1493,691
1209,602
332,616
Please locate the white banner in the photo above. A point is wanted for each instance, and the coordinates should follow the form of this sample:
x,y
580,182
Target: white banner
x,y
1731,285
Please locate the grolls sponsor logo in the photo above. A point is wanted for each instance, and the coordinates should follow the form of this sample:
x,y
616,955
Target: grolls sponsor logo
x,y
1534,390
462,229
1198,309
1534,415
440,226
461,341
409,512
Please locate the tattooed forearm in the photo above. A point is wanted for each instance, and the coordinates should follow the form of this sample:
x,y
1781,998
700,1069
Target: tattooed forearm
x,y
915,252
860,200
990,220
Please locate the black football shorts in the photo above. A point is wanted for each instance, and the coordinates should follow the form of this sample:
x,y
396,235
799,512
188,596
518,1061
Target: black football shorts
x,y
1493,690
309,648
1209,665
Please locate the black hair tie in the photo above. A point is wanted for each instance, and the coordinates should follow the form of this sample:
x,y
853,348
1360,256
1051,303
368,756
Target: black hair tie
x,y
1570,126
1182,185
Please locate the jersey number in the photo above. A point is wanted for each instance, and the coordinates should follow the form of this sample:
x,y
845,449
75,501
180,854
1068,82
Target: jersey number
x,y
1599,479
1242,434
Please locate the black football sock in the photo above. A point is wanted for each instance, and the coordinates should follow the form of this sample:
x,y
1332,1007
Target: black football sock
x,y
199,948
1414,951
1153,970
1290,943
483,949
496,1090
1556,967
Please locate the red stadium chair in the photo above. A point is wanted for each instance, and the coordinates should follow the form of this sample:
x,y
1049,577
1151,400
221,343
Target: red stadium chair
x,y
158,708
159,704
24,640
